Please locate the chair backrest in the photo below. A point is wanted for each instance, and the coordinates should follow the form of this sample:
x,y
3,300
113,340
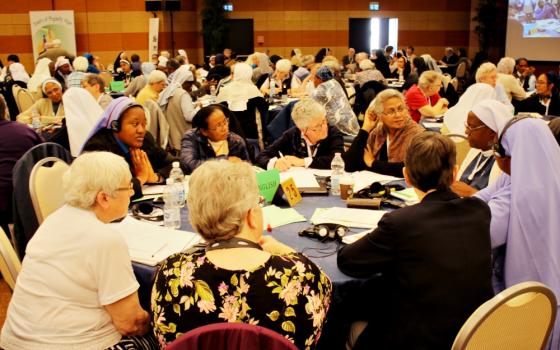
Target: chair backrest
x,y
25,220
45,187
521,317
461,70
231,336
24,99
366,94
10,265
15,90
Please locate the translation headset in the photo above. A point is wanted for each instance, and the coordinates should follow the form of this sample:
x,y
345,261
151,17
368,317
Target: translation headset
x,y
497,147
145,211
325,232
115,126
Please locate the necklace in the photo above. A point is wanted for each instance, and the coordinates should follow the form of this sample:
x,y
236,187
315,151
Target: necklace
x,y
233,243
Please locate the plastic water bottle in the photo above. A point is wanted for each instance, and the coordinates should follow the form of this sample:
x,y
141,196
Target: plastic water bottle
x,y
177,175
171,208
35,120
213,93
272,90
337,167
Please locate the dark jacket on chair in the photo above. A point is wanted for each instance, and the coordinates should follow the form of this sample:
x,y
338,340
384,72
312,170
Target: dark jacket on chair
x,y
434,258
292,144
161,161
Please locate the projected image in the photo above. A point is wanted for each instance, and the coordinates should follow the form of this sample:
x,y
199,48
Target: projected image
x,y
539,18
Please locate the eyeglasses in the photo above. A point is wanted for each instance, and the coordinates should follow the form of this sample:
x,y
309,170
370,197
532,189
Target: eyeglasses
x,y
470,129
223,125
129,188
394,111
317,128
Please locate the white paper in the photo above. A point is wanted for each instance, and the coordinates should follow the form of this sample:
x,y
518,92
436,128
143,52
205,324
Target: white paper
x,y
353,238
149,244
363,179
364,218
276,216
302,177
152,189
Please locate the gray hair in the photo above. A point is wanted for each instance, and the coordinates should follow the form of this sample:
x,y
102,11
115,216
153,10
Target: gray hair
x,y
484,70
284,66
506,65
429,78
91,173
156,76
367,64
332,63
377,106
305,110
307,59
361,56
220,195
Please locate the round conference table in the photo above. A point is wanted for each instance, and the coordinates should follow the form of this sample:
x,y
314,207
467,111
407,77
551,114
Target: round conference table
x,y
345,288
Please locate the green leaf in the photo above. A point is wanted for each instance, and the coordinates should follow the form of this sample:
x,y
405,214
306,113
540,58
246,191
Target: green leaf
x,y
203,290
168,297
289,326
234,280
277,290
273,315
284,280
174,287
289,312
177,309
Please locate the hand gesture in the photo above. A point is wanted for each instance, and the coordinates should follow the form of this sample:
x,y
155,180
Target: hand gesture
x,y
142,167
368,156
295,161
282,164
370,119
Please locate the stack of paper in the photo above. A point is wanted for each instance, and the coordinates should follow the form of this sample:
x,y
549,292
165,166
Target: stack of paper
x,y
149,244
302,177
363,218
408,195
276,216
363,179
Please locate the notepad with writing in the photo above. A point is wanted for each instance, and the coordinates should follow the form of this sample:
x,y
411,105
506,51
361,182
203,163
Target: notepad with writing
x,y
149,244
363,218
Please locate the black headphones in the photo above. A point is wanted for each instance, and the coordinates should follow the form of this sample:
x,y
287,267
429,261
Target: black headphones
x,y
497,147
115,126
325,232
377,190
145,211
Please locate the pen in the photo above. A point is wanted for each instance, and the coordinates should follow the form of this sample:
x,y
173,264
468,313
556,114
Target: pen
x,y
281,155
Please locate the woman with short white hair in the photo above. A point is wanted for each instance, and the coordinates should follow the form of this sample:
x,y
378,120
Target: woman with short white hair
x,y
488,73
76,288
312,143
284,79
423,99
157,81
240,275
368,73
506,79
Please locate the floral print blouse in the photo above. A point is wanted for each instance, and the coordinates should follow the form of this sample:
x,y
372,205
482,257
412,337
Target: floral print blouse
x,y
288,294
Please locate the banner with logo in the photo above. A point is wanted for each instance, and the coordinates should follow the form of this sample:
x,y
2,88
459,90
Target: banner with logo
x,y
153,35
52,30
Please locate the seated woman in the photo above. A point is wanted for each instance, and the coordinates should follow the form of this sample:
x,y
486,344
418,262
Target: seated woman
x,y
76,288
312,143
368,73
546,100
423,99
382,141
241,275
283,78
485,121
211,138
49,108
330,95
429,255
126,74
122,130
95,85
402,69
523,203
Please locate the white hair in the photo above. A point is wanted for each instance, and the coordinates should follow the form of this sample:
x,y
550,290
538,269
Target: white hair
x,y
378,103
506,65
91,173
331,63
80,64
284,66
361,56
156,76
429,78
367,64
484,70
220,195
306,110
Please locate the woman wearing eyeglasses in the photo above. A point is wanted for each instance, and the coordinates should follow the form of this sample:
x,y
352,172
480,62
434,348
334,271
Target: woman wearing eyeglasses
x,y
210,138
524,202
382,141
240,275
546,100
312,143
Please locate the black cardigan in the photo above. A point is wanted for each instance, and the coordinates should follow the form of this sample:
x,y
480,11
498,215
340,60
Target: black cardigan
x,y
161,161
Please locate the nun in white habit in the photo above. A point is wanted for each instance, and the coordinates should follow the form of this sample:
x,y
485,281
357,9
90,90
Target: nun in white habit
x,y
240,90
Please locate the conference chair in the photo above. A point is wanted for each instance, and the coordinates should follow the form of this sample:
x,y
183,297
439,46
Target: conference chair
x,y
461,144
231,336
520,317
24,99
157,123
45,186
10,265
15,90
25,220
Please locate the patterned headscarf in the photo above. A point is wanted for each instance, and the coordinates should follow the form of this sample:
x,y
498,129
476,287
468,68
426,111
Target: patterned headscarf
x,y
324,73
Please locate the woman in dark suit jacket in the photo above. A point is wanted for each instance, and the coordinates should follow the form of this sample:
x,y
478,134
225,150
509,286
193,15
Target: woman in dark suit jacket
x,y
546,100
